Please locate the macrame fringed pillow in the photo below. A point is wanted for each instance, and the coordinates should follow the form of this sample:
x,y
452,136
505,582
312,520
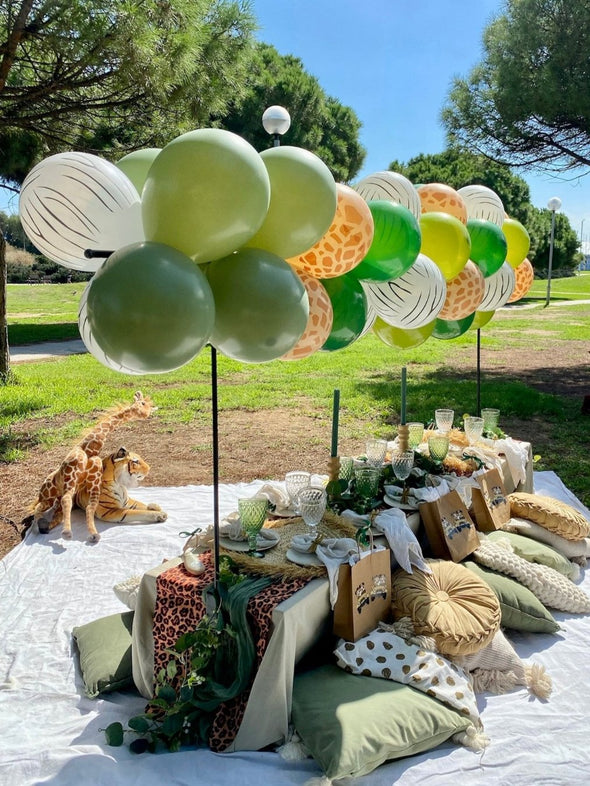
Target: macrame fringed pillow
x,y
451,605
127,591
551,587
552,514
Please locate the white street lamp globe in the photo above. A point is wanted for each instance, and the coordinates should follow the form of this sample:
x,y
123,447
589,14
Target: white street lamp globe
x,y
276,120
554,203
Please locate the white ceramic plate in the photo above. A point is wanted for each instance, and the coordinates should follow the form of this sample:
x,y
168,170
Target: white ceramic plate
x,y
262,543
394,502
303,558
289,513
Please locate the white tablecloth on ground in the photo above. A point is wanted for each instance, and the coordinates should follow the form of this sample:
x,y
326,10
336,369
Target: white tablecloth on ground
x,y
51,733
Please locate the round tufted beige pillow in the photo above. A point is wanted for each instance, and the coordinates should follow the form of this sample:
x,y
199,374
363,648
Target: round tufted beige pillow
x,y
552,514
451,605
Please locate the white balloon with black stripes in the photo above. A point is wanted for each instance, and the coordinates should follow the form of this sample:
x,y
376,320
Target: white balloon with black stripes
x,y
483,203
411,300
393,187
498,288
71,202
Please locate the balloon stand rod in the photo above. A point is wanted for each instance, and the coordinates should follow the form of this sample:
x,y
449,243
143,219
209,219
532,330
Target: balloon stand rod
x,y
215,437
97,253
478,377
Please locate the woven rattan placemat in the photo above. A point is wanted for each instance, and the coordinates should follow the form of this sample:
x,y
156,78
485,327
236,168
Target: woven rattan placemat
x,y
275,562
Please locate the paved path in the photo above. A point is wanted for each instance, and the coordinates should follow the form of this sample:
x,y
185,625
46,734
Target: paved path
x,y
46,350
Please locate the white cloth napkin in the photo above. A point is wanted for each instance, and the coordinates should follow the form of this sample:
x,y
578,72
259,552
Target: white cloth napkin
x,y
276,496
231,528
517,454
332,552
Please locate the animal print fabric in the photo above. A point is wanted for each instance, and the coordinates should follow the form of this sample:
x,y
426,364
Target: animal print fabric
x,y
179,607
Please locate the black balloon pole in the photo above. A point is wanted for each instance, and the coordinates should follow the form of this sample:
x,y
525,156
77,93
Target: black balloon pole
x,y
215,435
478,373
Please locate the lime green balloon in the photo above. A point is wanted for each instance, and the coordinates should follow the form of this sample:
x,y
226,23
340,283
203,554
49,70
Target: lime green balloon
x,y
149,308
518,241
446,241
261,306
136,165
349,304
401,338
488,245
395,246
451,328
480,319
206,194
302,204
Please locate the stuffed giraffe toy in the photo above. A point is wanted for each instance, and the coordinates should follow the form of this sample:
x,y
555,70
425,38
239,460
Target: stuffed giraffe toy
x,y
82,469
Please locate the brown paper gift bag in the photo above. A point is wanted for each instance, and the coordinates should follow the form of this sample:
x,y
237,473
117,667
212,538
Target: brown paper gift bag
x,y
449,527
364,595
488,500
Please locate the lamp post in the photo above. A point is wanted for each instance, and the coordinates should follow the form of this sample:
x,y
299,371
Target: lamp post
x,y
276,121
553,205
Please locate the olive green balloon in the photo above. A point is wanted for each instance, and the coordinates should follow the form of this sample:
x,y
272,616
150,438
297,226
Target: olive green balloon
x,y
518,241
136,165
488,245
451,328
206,194
401,338
395,246
149,308
302,203
261,306
349,304
480,319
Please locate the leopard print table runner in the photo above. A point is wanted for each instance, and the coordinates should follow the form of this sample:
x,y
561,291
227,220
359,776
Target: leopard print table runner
x,y
179,607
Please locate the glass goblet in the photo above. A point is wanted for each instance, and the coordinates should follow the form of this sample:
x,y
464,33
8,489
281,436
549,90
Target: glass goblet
x,y
438,446
376,450
252,517
294,482
473,429
312,506
415,434
402,464
444,419
366,482
490,419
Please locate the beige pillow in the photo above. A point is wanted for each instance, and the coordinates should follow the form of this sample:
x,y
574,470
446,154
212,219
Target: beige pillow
x,y
451,605
572,549
554,515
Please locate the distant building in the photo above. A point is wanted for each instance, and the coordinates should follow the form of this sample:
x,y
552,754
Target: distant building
x,y
585,249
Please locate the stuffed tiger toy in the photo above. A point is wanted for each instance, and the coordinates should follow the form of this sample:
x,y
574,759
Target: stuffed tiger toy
x,y
121,470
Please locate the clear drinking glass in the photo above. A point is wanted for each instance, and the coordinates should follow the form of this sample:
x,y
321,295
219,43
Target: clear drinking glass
x,y
415,434
402,464
312,506
375,451
473,429
444,419
252,517
438,446
366,480
490,419
294,482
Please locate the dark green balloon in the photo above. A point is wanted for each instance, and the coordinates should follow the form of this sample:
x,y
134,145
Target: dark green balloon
x,y
149,308
349,303
261,306
395,246
488,245
452,328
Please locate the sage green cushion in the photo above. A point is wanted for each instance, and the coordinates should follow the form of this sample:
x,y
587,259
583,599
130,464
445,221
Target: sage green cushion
x,y
534,551
352,724
521,609
104,646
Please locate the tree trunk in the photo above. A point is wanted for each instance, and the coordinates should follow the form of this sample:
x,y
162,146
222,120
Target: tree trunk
x,y
4,349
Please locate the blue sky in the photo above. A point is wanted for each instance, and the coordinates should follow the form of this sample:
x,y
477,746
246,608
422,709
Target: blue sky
x,y
392,61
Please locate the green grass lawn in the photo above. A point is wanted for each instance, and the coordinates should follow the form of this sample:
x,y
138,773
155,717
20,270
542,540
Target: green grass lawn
x,y
367,374
575,288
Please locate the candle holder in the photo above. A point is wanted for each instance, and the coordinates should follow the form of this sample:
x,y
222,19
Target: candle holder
x,y
403,437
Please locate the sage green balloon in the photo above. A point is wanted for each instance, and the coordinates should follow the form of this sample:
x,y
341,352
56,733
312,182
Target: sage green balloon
x,y
395,246
149,309
302,203
206,194
261,306
452,328
136,165
349,304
